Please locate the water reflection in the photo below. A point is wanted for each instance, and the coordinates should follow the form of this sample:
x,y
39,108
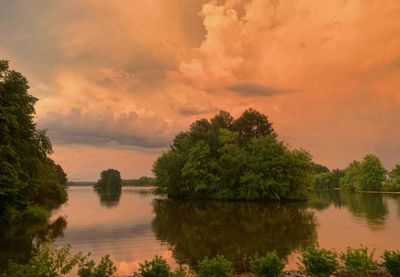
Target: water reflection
x,y
371,207
17,242
109,198
235,230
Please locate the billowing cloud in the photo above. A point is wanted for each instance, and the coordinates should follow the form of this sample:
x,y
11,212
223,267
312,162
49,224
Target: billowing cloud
x,y
139,71
103,128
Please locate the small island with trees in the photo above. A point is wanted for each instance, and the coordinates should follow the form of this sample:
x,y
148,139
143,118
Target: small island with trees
x,y
110,180
233,159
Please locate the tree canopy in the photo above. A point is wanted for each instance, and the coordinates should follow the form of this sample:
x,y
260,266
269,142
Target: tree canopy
x,y
227,158
110,180
369,174
29,179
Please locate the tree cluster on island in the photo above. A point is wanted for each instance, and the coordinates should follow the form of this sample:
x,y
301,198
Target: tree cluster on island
x,y
110,180
233,159
31,184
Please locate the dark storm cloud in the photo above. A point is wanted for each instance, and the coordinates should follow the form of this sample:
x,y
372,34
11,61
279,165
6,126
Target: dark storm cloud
x,y
247,88
104,128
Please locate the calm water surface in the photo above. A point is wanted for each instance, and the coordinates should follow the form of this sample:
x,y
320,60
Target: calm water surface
x,y
135,225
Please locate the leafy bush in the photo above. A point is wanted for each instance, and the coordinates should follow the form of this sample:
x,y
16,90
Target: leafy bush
x,y
46,261
158,267
215,267
391,260
49,261
358,261
269,265
319,262
88,268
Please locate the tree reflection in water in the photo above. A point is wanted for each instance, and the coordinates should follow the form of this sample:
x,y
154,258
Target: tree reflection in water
x,y
236,230
17,242
109,198
372,207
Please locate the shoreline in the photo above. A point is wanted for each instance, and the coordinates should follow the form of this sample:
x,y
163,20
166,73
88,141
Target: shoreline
x,y
373,191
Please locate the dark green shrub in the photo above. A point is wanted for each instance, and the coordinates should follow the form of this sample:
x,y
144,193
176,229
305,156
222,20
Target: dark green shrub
x,y
215,267
105,268
47,261
36,214
157,267
269,265
181,272
319,262
358,261
391,260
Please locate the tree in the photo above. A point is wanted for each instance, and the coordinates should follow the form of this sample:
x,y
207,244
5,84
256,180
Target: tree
x,y
110,180
232,159
351,178
328,180
319,168
61,175
253,124
394,175
372,173
28,177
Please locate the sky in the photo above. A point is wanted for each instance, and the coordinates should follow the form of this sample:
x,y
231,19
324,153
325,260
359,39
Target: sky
x,y
117,79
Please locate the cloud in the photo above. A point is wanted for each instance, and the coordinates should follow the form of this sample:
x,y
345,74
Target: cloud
x,y
173,61
246,88
190,110
103,128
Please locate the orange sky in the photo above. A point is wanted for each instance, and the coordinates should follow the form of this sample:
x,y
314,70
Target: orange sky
x,y
117,79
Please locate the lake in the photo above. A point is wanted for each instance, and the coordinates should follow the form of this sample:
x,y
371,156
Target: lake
x,y
136,225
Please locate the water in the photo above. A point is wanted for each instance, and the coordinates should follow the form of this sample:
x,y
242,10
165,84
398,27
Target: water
x,y
135,225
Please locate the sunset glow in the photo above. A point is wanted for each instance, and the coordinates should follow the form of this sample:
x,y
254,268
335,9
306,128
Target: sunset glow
x,y
116,80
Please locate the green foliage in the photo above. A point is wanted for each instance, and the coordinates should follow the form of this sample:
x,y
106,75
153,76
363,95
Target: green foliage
x,y
226,158
88,268
391,261
358,261
47,261
215,267
367,175
319,168
110,180
372,173
319,262
28,177
158,267
142,181
35,214
351,178
394,175
394,180
61,175
328,180
269,265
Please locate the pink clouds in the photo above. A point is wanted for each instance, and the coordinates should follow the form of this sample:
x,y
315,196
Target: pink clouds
x,y
326,72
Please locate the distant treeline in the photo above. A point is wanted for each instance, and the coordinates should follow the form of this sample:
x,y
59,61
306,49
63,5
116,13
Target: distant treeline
x,y
369,174
81,183
140,182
